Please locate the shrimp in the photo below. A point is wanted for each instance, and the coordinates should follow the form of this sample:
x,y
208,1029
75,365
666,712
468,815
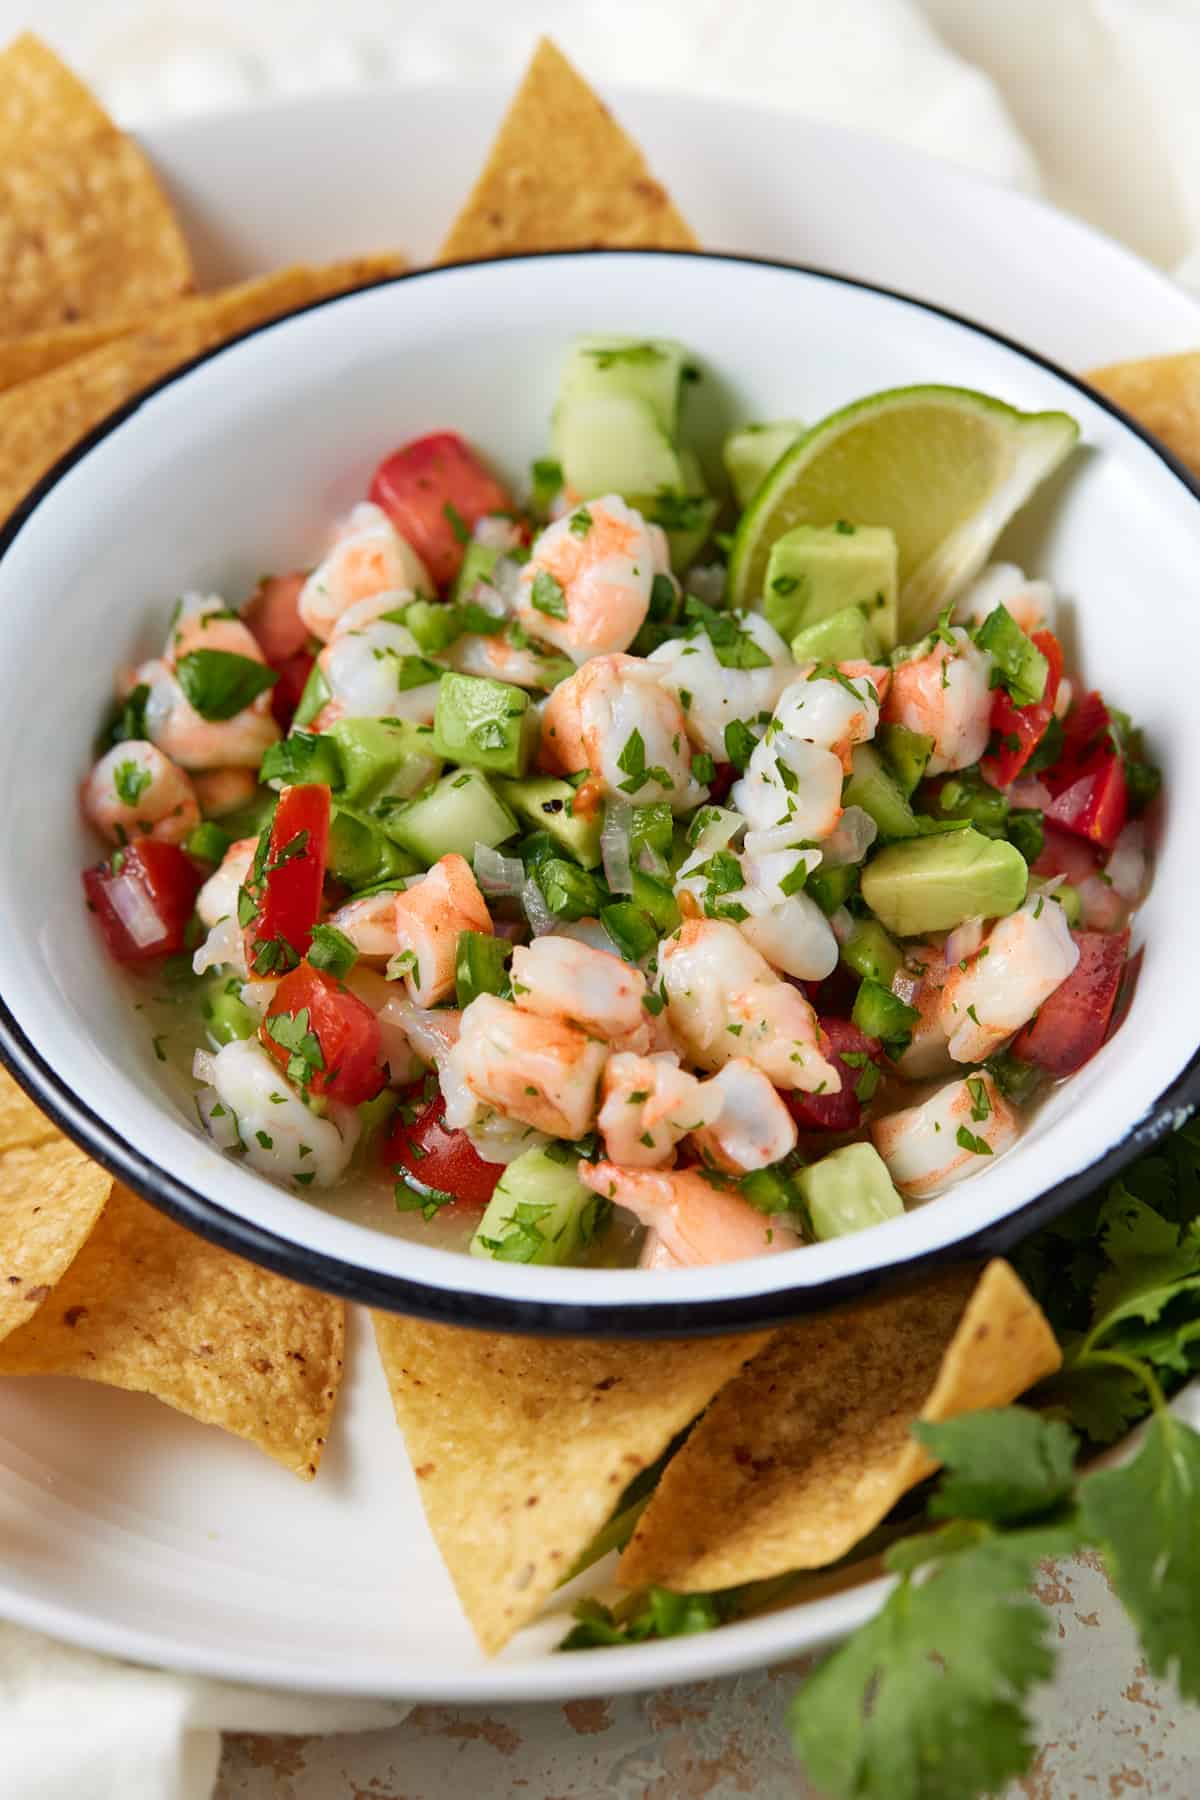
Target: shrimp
x,y
586,586
377,672
945,694
725,1001
222,791
135,791
280,1135
795,937
614,718
541,1071
368,557
198,743
753,1127
428,918
713,696
835,715
1031,604
370,925
593,989
496,656
649,1103
921,1145
998,989
920,984
790,782
204,622
692,1221
217,907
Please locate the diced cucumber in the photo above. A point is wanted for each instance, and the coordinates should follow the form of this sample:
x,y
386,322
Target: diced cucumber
x,y
316,693
844,636
360,853
649,370
870,786
303,756
484,724
547,803
540,1212
872,953
478,564
751,453
614,444
456,813
881,1014
906,754
383,759
848,1190
225,1014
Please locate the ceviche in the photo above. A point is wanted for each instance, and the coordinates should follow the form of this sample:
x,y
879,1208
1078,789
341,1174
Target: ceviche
x,y
497,875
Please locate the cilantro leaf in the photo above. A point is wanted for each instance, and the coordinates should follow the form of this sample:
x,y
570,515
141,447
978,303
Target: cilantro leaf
x,y
1002,1465
657,1613
219,684
548,595
130,782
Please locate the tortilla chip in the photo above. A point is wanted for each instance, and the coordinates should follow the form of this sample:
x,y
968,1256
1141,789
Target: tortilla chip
x,y
1163,394
41,420
86,233
24,358
148,1307
809,1448
562,175
50,1198
522,1446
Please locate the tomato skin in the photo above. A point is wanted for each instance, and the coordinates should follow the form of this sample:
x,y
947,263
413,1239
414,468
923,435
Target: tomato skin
x,y
167,879
293,673
345,1027
724,776
842,1111
290,903
1071,1025
417,483
1026,724
437,1157
1087,783
1065,854
273,615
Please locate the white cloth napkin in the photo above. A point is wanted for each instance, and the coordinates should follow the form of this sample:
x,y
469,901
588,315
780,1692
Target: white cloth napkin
x,y
1092,101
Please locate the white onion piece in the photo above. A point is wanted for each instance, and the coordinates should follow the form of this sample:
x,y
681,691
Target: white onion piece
x,y
964,940
498,876
1126,867
850,838
615,846
202,1067
587,931
506,581
221,1126
541,919
497,1139
134,908
1029,794
497,532
843,925
224,947
432,1032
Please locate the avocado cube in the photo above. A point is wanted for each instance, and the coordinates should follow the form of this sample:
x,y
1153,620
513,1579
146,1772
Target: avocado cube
x,y
848,1190
934,883
871,786
846,636
751,453
383,759
815,570
548,805
484,724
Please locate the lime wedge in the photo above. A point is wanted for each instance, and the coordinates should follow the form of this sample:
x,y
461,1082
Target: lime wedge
x,y
944,467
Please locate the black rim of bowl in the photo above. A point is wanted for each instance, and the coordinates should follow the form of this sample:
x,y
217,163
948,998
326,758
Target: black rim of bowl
x,y
455,1306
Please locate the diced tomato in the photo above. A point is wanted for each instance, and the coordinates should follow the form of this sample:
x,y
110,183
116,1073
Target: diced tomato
x,y
434,490
293,672
1018,730
724,776
290,902
273,615
143,903
841,1111
1066,855
350,1068
1088,793
436,1157
1071,1025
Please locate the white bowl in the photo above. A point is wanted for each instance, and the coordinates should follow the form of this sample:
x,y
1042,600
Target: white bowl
x,y
240,464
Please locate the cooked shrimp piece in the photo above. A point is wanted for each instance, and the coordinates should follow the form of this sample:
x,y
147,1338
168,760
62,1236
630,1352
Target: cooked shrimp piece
x,y
368,557
586,586
835,715
198,743
559,978
649,1103
541,1071
946,695
135,791
920,984
790,782
692,1220
725,1001
753,1128
713,696
404,1065
1030,603
280,1135
921,1145
204,622
428,918
222,791
1021,962
370,925
795,937
217,907
615,718
377,672
497,657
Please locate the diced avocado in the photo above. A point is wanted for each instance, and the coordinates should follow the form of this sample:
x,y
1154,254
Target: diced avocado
x,y
478,564
540,1212
433,624
814,570
906,754
870,786
848,1190
934,883
831,888
872,953
316,693
649,370
302,756
383,759
484,724
456,813
360,854
226,1016
846,636
547,803
751,453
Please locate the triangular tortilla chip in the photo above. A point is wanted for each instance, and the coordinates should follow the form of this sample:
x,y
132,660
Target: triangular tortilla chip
x,y
809,1448
562,175
147,1306
522,1446
86,232
41,419
1163,394
50,1198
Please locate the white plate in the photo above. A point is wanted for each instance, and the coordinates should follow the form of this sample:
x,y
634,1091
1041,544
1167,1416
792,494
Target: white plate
x,y
130,1529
